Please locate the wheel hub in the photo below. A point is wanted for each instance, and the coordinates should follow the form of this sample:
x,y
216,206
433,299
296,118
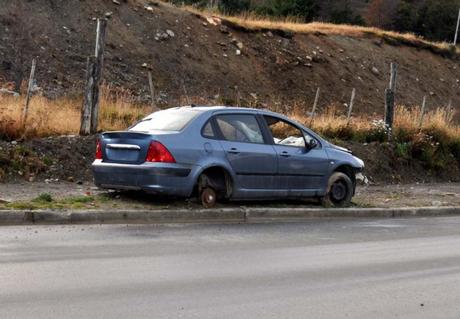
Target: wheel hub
x,y
208,198
338,191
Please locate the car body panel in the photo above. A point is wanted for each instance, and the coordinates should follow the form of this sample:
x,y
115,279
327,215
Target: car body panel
x,y
255,165
301,169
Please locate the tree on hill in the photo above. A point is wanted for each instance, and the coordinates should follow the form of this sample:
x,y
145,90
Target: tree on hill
x,y
436,19
381,13
342,12
307,10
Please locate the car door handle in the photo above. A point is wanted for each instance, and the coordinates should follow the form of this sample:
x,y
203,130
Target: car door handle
x,y
285,154
233,151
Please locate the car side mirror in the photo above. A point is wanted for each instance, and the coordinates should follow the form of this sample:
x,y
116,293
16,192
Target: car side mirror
x,y
312,144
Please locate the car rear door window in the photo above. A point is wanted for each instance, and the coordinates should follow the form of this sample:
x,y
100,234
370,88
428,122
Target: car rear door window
x,y
208,131
242,128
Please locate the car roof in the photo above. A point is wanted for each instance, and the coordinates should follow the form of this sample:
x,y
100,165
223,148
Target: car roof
x,y
212,109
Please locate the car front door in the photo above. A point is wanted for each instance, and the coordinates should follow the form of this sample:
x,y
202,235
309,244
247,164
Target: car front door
x,y
301,168
252,159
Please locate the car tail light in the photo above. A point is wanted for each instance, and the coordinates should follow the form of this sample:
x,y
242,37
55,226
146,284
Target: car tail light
x,y
98,150
159,153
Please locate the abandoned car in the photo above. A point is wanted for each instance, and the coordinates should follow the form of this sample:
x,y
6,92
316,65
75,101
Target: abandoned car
x,y
225,153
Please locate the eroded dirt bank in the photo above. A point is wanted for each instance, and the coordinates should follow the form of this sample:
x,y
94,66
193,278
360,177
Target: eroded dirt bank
x,y
214,63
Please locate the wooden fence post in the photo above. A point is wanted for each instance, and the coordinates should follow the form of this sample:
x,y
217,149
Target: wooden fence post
x,y
152,92
449,110
422,112
186,93
238,98
456,30
99,54
29,93
315,104
90,109
350,107
390,99
85,126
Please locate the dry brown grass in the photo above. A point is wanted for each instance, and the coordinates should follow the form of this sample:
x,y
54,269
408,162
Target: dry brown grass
x,y
254,22
119,110
62,116
364,128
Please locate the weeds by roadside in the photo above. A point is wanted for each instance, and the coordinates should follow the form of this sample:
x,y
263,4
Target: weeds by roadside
x,y
436,143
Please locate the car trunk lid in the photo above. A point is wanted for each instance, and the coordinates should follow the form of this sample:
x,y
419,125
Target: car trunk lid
x,y
126,147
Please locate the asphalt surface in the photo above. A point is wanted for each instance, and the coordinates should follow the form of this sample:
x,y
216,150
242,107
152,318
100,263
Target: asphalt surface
x,y
368,268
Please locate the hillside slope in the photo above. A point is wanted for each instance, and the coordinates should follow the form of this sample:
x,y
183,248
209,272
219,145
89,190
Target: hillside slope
x,y
189,55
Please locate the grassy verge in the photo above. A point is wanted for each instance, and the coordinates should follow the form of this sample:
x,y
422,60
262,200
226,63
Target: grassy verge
x,y
98,201
126,200
46,201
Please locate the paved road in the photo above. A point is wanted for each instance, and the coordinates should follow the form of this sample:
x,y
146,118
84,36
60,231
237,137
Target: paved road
x,y
406,268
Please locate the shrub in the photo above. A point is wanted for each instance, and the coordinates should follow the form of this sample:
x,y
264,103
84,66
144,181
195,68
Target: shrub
x,y
454,148
44,198
403,150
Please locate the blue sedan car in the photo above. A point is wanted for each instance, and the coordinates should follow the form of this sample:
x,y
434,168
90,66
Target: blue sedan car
x,y
225,153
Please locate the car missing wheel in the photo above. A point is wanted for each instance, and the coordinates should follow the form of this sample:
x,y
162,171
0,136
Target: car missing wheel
x,y
225,153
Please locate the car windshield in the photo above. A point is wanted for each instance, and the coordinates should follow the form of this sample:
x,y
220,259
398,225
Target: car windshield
x,y
169,120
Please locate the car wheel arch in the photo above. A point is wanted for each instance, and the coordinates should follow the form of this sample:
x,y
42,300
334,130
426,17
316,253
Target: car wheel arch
x,y
218,178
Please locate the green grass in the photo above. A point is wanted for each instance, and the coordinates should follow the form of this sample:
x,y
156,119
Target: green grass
x,y
46,201
105,200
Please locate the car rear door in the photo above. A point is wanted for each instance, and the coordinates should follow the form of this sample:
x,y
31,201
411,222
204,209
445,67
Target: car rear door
x,y
300,168
253,161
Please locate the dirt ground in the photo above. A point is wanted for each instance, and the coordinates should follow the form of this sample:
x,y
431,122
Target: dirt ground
x,y
411,195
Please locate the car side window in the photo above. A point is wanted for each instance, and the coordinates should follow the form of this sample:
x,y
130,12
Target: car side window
x,y
208,131
242,128
284,133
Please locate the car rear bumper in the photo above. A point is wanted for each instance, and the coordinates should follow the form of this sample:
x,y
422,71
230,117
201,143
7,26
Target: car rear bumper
x,y
158,178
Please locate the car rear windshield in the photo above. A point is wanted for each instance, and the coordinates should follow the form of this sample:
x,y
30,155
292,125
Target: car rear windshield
x,y
169,120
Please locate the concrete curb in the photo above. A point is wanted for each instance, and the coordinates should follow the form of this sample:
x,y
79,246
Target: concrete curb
x,y
225,215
